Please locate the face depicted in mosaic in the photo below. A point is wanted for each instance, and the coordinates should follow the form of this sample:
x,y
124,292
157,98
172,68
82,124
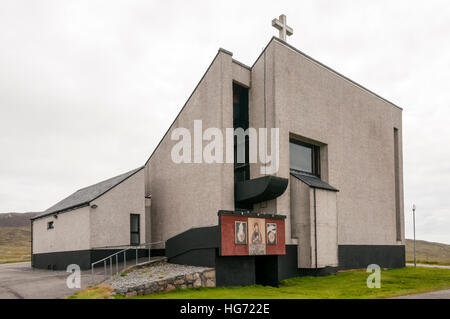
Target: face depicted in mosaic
x,y
240,232
271,234
256,235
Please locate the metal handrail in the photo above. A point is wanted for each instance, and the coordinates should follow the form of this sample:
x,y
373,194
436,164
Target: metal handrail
x,y
116,254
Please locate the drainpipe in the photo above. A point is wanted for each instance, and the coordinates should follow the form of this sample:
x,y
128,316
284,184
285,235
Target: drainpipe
x,y
32,259
315,227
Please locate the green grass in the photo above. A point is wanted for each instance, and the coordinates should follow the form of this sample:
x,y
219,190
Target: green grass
x,y
100,292
15,244
344,285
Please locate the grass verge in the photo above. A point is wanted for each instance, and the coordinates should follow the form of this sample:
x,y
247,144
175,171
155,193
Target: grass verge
x,y
99,292
344,285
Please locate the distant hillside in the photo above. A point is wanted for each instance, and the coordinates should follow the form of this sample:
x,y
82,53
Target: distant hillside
x,y
15,241
16,219
15,237
15,244
428,251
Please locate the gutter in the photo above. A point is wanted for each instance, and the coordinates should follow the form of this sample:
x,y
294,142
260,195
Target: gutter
x,y
61,211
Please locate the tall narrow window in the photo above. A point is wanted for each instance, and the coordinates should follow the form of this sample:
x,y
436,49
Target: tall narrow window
x,y
134,229
241,120
397,186
304,157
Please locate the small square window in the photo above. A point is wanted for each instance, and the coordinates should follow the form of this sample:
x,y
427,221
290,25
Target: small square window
x,y
304,157
50,225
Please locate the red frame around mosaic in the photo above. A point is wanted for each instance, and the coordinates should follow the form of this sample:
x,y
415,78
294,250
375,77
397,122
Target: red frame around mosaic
x,y
229,247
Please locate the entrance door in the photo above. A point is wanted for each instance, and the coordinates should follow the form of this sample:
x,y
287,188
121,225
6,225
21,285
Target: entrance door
x,y
135,234
266,270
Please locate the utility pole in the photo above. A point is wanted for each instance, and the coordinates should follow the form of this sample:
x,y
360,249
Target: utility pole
x,y
414,226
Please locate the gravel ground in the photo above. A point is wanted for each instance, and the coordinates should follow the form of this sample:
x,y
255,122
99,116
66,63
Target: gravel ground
x,y
152,273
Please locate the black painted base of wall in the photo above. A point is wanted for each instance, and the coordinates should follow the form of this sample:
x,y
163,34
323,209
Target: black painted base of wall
x,y
360,256
60,260
234,270
84,258
318,272
270,270
195,247
200,247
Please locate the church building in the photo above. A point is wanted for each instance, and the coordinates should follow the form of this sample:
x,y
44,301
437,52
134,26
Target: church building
x,y
334,201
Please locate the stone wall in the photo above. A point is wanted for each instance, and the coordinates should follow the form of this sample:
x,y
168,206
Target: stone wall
x,y
207,278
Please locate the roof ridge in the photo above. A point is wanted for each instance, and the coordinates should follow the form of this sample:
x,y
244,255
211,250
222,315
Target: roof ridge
x,y
105,180
84,196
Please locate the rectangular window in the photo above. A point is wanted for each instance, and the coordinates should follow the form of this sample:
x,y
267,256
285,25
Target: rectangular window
x,y
50,225
304,157
134,229
240,120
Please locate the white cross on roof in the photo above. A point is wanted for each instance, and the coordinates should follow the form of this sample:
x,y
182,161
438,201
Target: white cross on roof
x,y
282,26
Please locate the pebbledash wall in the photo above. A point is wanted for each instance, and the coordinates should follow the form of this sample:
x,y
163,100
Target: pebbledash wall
x,y
357,222
355,131
308,101
77,232
189,195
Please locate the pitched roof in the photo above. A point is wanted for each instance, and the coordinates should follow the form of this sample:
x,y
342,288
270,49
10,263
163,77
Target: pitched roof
x,y
84,196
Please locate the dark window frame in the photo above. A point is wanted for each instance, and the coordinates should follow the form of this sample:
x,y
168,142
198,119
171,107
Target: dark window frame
x,y
315,157
138,232
50,225
241,120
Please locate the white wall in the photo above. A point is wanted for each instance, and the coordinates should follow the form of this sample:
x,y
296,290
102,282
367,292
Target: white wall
x,y
110,221
86,228
71,232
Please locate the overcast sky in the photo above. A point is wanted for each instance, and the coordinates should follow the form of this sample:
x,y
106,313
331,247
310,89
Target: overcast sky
x,y
88,88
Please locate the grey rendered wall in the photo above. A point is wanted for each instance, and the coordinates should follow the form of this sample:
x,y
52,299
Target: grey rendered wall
x,y
262,115
307,219
353,125
71,232
110,221
326,226
301,221
188,195
148,220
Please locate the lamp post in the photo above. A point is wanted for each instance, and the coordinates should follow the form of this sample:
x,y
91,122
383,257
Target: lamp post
x,y
414,226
